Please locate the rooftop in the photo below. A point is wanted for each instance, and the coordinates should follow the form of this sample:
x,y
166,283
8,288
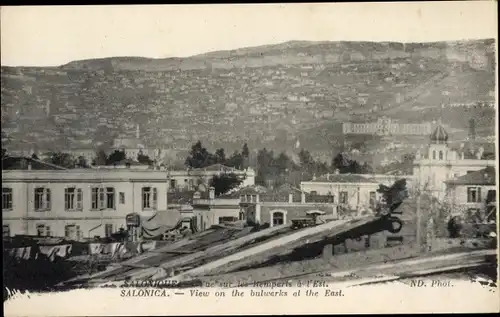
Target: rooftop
x,y
343,178
482,177
27,163
439,135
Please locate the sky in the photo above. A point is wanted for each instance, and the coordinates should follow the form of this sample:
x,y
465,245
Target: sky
x,y
56,35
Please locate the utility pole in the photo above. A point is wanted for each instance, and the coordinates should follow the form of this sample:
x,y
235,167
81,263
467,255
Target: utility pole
x,y
419,218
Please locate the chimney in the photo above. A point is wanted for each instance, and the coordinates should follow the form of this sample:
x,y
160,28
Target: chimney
x,y
337,171
328,176
211,193
290,198
478,155
29,166
462,156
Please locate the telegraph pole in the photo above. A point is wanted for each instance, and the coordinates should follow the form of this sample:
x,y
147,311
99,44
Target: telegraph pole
x,y
419,220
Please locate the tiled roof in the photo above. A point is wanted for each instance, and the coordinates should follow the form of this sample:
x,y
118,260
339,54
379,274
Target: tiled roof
x,y
343,178
483,177
22,162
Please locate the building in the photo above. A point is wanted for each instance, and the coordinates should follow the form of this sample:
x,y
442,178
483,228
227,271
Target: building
x,y
78,203
353,191
133,147
473,193
259,205
386,126
440,163
210,210
190,179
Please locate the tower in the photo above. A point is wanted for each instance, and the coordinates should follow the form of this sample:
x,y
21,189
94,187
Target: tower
x,y
437,170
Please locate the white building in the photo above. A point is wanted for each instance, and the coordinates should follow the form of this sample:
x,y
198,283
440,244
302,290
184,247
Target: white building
x,y
351,190
440,163
473,193
79,203
190,179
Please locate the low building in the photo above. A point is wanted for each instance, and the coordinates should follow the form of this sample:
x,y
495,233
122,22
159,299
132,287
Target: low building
x,y
473,193
190,179
279,206
353,191
78,203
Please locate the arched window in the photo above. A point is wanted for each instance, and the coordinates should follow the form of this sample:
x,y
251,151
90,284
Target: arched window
x,y
440,155
433,155
278,218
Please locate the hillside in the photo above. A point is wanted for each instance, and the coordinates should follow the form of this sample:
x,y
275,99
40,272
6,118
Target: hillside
x,y
269,96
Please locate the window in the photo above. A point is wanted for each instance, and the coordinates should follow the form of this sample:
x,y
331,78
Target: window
x,y
242,215
42,199
433,155
122,198
73,198
254,198
227,219
103,198
314,192
278,218
373,199
343,197
243,198
191,184
440,155
108,230
43,231
6,198
72,232
149,198
473,194
5,231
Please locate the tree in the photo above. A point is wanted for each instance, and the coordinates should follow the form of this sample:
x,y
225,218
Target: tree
x,y
220,156
340,162
225,182
235,160
393,196
143,159
61,159
199,156
100,159
245,153
4,153
82,162
116,156
34,156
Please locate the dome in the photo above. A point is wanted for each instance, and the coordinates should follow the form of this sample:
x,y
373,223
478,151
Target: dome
x,y
439,135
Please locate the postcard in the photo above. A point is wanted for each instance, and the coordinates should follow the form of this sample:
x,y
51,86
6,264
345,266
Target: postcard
x,y
250,159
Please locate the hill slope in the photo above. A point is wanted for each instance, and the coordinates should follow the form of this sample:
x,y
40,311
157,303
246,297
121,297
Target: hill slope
x,y
269,96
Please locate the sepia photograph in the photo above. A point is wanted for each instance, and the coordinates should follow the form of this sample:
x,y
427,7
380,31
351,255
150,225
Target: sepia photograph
x,y
249,158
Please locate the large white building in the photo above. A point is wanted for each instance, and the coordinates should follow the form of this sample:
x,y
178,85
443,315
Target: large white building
x,y
78,203
439,164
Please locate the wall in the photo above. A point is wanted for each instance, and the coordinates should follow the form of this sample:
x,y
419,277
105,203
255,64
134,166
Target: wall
x,y
355,200
459,195
291,211
24,219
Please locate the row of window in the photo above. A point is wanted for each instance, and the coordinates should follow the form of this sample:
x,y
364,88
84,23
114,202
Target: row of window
x,y
101,198
343,198
441,155
71,231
